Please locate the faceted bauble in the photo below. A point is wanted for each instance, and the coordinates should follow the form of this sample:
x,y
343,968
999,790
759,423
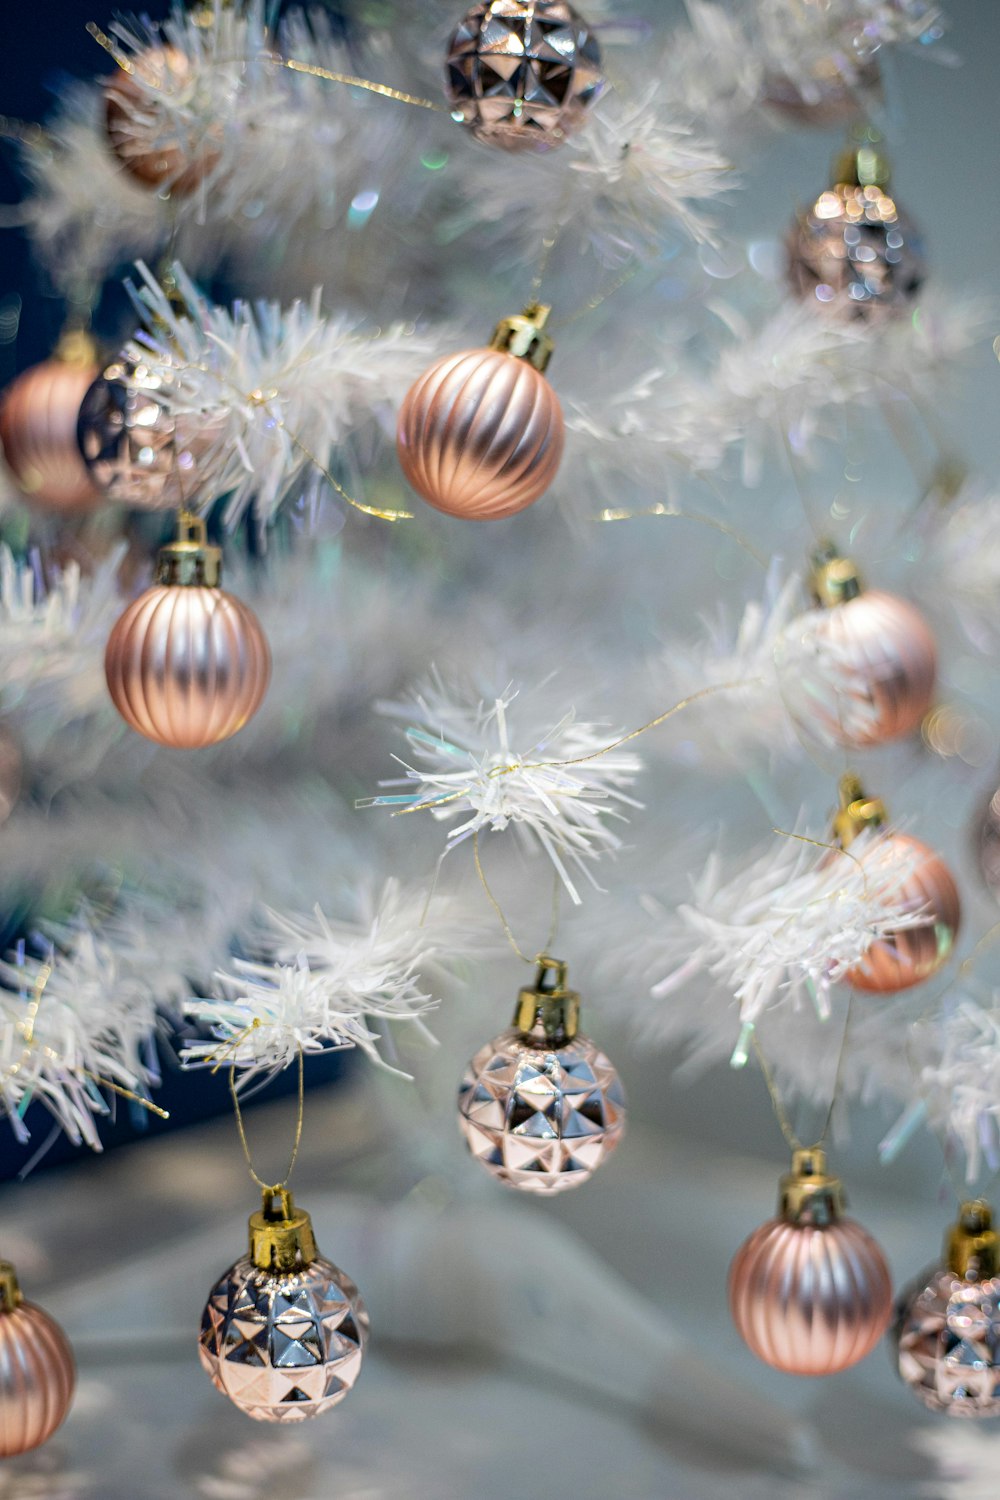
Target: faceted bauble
x,y
37,1378
909,955
38,417
284,1345
129,440
521,73
480,434
947,1341
810,1299
542,1119
145,113
187,666
855,252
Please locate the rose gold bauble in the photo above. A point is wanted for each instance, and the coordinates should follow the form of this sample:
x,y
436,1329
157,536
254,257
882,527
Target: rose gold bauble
x,y
187,664
38,416
481,433
912,954
810,1291
144,136
37,1372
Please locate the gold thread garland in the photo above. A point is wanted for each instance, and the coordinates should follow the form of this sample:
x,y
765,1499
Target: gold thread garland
x,y
269,1187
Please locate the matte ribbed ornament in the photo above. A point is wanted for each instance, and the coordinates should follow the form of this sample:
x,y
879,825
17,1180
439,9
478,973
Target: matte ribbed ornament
x,y
947,1329
130,442
146,138
522,73
540,1107
854,251
810,1291
284,1331
38,417
187,664
481,433
37,1372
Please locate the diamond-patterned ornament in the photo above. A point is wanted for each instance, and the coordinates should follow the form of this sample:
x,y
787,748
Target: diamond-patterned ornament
x,y
541,1118
854,251
129,439
947,1337
284,1346
521,73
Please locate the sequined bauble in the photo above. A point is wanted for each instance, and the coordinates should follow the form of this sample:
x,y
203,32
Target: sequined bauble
x,y
481,434
855,252
145,111
538,1118
187,666
38,417
37,1378
810,1299
129,439
886,659
909,955
947,1341
284,1345
522,73
988,845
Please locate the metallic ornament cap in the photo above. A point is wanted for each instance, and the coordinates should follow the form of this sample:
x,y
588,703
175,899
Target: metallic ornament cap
x,y
10,1290
281,1238
78,347
833,579
808,1194
522,336
190,559
548,1014
863,162
972,1245
857,811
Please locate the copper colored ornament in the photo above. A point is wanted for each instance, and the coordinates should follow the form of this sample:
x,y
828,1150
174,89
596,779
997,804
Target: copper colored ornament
x,y
37,1372
541,1107
522,73
909,955
38,416
481,433
145,135
947,1327
131,443
810,1291
889,657
187,664
854,251
284,1330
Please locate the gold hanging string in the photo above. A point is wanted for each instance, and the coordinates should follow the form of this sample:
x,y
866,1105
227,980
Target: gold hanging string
x,y
507,929
795,472
595,302
674,513
270,1187
366,510
986,941
780,1113
803,838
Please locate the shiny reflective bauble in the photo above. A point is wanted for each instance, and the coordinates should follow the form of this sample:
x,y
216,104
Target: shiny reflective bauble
x,y
831,100
481,435
187,666
284,1345
890,658
539,1118
988,845
37,1372
128,440
38,417
145,134
855,253
947,1342
909,955
522,73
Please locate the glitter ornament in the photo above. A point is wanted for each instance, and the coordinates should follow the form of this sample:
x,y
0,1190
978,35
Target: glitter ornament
x,y
38,417
540,1107
947,1329
481,433
147,136
906,957
37,1372
853,251
888,657
522,73
284,1331
810,1291
187,664
129,440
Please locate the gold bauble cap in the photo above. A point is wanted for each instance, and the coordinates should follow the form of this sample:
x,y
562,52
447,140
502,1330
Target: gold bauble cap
x,y
808,1194
548,1013
522,336
972,1247
10,1291
281,1235
857,811
190,559
833,579
863,161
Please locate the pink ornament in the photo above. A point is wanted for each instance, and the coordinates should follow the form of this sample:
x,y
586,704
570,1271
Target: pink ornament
x,y
37,1372
38,417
